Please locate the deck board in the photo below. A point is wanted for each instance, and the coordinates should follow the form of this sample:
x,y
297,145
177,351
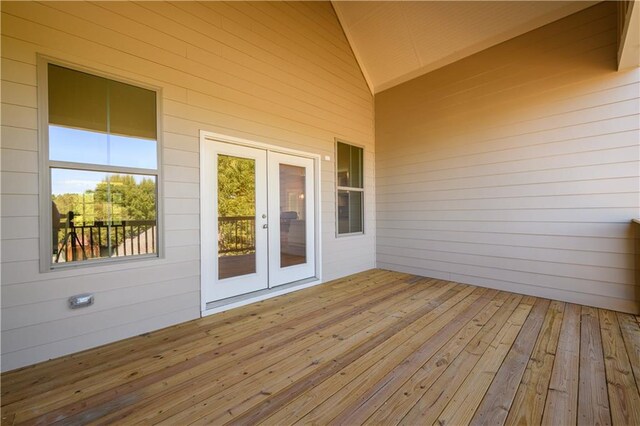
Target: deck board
x,y
593,400
358,373
362,407
435,397
469,395
377,347
631,332
528,404
623,395
395,407
317,363
497,401
561,404
76,367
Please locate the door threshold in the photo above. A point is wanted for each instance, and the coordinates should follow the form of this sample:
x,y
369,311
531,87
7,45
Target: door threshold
x,y
256,296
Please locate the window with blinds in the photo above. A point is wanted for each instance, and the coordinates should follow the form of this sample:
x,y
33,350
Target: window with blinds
x,y
102,167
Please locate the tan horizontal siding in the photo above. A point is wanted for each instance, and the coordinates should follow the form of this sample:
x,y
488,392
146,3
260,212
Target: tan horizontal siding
x,y
19,183
208,36
535,190
564,256
19,139
280,73
557,229
504,152
23,276
83,339
33,313
606,274
518,167
519,215
46,333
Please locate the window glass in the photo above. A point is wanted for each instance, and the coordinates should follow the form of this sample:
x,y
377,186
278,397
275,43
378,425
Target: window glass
x,y
355,211
349,212
84,146
98,215
77,145
77,99
344,160
293,244
349,165
100,121
96,126
349,179
355,167
85,101
236,216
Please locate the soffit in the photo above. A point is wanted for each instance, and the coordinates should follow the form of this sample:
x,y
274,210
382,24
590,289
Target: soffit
x,y
395,41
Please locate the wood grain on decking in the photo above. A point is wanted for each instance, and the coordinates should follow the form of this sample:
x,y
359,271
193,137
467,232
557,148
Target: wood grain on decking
x,y
378,347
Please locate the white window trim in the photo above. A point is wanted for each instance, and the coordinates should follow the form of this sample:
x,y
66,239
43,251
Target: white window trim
x,y
349,188
44,166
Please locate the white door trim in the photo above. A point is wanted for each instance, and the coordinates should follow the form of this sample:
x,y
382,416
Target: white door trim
x,y
206,136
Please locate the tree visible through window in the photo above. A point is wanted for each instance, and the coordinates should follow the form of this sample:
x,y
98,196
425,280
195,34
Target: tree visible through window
x,y
236,207
102,167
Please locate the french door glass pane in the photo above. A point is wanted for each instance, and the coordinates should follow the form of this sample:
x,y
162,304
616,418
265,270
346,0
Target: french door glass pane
x,y
293,245
236,216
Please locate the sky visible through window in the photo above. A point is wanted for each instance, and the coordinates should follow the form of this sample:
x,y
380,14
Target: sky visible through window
x,y
83,146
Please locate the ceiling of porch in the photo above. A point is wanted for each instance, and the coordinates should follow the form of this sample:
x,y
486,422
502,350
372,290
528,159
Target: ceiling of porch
x,y
395,41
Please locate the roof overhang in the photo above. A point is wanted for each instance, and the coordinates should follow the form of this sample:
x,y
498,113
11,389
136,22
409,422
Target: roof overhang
x,y
629,44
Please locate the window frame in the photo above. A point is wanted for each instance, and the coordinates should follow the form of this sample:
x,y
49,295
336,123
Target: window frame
x,y
45,165
349,188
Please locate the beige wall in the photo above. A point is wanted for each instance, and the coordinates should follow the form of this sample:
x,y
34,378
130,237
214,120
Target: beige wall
x,y
517,168
276,73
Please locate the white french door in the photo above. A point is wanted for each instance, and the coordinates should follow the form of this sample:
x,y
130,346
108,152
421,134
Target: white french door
x,y
291,213
234,220
257,219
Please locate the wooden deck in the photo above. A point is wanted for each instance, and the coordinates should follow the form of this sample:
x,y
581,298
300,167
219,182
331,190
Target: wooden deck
x,y
377,348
